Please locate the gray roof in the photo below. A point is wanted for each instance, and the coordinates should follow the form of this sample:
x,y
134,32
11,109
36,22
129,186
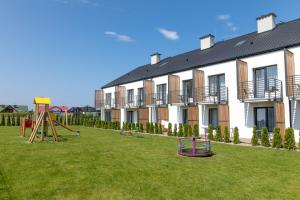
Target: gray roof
x,y
284,35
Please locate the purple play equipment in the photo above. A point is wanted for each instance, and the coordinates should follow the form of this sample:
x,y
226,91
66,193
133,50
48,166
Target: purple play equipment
x,y
200,147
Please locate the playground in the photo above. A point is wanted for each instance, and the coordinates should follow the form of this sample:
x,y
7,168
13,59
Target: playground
x,y
102,164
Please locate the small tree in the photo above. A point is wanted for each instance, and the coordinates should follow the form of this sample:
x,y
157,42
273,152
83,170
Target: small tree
x,y
160,129
175,130
196,130
137,126
190,130
133,126
151,128
141,128
226,134
265,137
169,129
2,123
218,134
156,128
13,121
8,123
18,120
236,136
210,132
180,131
148,127
185,130
254,139
277,140
289,139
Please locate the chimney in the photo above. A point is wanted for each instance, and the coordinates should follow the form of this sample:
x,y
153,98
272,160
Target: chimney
x,y
207,41
155,58
266,22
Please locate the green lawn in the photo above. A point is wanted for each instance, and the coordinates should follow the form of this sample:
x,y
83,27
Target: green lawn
x,y
104,165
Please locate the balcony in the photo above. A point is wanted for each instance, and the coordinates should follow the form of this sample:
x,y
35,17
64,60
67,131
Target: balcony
x,y
261,90
109,103
180,97
293,87
134,101
211,95
160,100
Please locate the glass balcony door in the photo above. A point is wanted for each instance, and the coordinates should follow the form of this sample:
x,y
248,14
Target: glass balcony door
x,y
264,117
161,93
213,117
265,81
130,96
187,87
217,87
141,96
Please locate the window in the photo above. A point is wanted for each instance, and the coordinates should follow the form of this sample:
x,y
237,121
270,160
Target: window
x,y
184,116
161,93
187,86
141,96
130,116
265,80
264,117
213,117
217,86
108,99
130,96
107,116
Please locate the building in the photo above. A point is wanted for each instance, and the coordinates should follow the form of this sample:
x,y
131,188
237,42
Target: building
x,y
248,80
13,108
83,110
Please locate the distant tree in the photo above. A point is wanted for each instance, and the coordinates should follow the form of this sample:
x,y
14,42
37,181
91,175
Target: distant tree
x,y
8,123
13,120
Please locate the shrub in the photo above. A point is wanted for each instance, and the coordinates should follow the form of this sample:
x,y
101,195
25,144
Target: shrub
x,y
277,140
210,132
169,129
137,126
265,137
218,136
226,134
151,128
175,130
156,128
133,126
196,130
236,136
185,130
254,139
141,128
190,130
160,129
13,121
180,131
148,127
289,139
18,120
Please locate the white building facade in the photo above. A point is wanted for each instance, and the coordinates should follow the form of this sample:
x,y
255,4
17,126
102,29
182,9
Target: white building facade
x,y
251,80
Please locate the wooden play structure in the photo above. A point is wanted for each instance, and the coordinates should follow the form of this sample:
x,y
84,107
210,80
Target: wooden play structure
x,y
194,147
42,120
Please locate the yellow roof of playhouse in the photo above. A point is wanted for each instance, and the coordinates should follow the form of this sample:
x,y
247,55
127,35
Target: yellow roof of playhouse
x,y
42,100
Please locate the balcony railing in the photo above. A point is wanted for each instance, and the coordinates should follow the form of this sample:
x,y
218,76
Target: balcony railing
x,y
261,90
134,101
211,95
293,86
180,97
160,100
109,103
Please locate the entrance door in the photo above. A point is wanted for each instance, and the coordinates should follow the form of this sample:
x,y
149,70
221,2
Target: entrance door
x,y
264,117
187,86
130,116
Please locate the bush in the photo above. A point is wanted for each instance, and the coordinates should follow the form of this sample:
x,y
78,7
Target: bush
x,y
185,130
254,139
289,139
147,127
265,141
18,120
226,134
236,136
169,129
196,130
210,132
133,126
175,130
13,121
156,128
218,136
141,128
277,140
151,128
190,130
8,123
180,131
160,129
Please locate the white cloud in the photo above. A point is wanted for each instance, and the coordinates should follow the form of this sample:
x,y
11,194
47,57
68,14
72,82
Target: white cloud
x,y
120,37
168,34
223,17
226,19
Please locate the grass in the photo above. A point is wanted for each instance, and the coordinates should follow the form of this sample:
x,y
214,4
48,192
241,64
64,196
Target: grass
x,y
101,164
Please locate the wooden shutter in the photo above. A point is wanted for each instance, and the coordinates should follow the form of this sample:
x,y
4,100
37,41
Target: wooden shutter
x,y
279,116
242,76
99,98
193,115
289,71
149,90
162,114
198,77
120,96
115,115
143,116
223,116
173,88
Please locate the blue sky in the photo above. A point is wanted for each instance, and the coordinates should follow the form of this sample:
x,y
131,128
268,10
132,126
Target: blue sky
x,y
65,49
